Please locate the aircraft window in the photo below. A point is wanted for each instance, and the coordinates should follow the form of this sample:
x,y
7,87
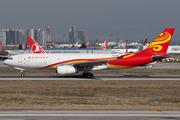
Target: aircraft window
x,y
10,58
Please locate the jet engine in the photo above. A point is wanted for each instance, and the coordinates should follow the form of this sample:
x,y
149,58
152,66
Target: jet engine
x,y
62,70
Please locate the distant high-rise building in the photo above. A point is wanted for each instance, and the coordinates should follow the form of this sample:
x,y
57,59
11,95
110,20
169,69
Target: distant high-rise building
x,y
37,35
82,36
30,33
15,37
42,37
72,34
3,36
21,38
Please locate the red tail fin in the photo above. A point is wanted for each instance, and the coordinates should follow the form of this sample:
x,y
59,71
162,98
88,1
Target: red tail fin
x,y
24,47
104,45
77,43
35,48
160,45
145,42
87,43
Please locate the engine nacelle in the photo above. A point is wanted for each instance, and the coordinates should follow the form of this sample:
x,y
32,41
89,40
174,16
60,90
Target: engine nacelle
x,y
62,70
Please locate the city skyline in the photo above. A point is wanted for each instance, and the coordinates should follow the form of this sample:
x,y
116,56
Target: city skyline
x,y
126,19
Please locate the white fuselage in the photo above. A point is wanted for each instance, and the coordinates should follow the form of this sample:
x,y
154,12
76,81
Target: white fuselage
x,y
40,61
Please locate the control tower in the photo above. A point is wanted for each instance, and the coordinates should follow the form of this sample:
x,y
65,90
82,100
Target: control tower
x,y
48,34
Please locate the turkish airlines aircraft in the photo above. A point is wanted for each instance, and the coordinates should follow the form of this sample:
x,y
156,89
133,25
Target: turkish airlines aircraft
x,y
104,45
76,43
87,44
68,64
35,47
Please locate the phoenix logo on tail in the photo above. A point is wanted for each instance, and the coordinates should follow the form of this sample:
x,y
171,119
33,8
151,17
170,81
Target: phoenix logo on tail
x,y
35,47
104,45
160,45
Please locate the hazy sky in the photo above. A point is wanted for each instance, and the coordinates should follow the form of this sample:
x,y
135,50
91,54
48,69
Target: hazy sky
x,y
99,16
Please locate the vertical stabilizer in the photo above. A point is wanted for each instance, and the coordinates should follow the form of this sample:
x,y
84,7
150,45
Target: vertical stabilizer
x,y
104,45
35,47
160,45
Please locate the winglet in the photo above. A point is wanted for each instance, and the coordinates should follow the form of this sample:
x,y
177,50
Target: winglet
x,y
104,45
35,47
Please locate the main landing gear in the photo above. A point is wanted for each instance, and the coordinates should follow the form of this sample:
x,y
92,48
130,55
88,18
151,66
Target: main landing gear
x,y
86,74
22,74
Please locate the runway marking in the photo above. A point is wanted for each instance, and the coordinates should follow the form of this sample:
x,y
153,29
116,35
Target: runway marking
x,y
104,80
155,111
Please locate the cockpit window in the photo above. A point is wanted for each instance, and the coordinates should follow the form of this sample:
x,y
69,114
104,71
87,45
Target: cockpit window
x,y
7,58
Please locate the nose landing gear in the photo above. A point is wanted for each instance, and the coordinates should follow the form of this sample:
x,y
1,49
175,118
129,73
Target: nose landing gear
x,y
22,74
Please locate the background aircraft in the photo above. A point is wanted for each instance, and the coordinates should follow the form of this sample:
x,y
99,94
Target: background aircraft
x,y
104,45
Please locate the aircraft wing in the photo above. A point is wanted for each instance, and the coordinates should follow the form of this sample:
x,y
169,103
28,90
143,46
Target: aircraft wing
x,y
92,62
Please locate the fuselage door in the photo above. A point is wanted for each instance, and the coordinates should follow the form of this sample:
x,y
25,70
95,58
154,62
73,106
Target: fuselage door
x,y
20,59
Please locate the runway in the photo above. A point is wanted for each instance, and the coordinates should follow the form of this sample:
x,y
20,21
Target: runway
x,y
95,78
89,114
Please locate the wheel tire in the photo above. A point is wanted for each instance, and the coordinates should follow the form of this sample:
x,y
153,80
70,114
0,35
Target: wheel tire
x,y
84,75
91,75
22,75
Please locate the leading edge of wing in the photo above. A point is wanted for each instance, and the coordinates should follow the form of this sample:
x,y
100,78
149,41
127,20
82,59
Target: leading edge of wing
x,y
85,62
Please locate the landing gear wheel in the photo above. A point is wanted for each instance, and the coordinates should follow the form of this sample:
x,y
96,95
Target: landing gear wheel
x,y
85,75
91,75
22,74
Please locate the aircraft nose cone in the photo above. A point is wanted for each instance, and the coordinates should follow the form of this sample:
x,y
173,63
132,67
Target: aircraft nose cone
x,y
5,62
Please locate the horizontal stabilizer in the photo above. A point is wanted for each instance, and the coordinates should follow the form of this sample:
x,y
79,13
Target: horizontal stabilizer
x,y
156,57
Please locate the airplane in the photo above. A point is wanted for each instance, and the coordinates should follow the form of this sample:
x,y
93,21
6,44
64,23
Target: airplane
x,y
36,48
76,43
104,45
69,64
87,44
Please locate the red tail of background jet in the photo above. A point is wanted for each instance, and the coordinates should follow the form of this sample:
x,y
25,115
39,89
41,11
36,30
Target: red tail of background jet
x,y
87,43
0,46
104,45
77,43
35,47
24,47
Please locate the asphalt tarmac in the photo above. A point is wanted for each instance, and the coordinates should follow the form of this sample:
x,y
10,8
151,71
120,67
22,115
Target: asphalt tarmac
x,y
94,114
88,115
95,78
